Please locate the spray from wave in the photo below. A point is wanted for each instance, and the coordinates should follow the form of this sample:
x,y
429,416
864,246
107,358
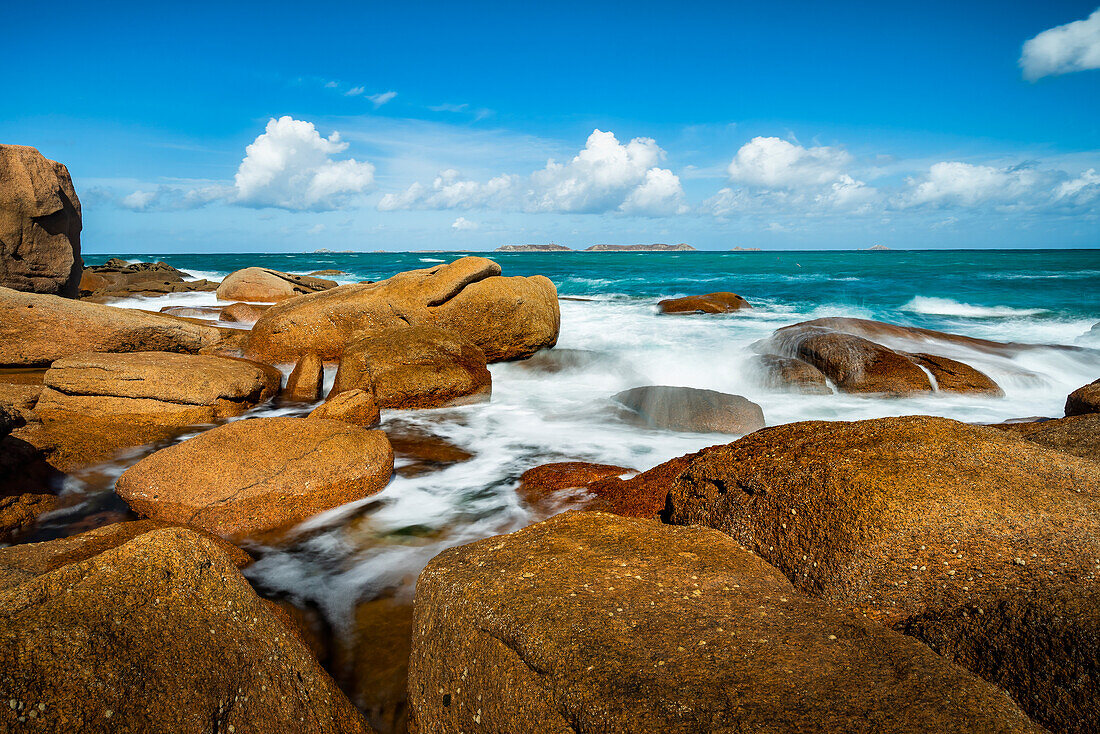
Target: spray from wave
x,y
947,307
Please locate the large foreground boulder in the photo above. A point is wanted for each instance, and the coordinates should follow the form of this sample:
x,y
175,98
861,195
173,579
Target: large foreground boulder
x,y
39,224
95,403
710,303
159,634
507,318
1076,434
38,329
414,367
927,520
1084,400
268,286
590,622
258,475
690,409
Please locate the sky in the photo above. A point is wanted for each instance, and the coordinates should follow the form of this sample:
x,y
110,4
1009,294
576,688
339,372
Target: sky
x,y
281,127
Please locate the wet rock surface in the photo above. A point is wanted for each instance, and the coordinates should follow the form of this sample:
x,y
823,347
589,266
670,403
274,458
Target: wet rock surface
x,y
1084,400
690,409
723,302
684,631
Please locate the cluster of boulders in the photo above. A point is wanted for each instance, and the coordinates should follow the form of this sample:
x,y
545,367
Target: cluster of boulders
x,y
117,279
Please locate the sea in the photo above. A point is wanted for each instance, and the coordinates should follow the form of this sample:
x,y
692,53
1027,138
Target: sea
x,y
375,548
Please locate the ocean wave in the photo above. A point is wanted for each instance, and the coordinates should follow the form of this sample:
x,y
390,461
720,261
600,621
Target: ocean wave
x,y
431,260
932,306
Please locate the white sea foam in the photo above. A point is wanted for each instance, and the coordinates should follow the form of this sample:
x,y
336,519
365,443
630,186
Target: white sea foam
x,y
431,260
948,307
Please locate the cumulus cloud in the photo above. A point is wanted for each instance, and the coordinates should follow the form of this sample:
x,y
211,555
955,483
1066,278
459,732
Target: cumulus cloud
x,y
291,166
462,224
605,176
770,173
1063,49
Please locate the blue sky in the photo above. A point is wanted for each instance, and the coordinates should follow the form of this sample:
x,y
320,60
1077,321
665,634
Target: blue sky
x,y
195,128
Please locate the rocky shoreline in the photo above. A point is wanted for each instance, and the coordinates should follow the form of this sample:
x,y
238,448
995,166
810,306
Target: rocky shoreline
x,y
903,574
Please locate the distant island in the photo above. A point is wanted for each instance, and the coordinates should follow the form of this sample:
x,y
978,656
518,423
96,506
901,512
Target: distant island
x,y
641,248
877,248
534,248
745,249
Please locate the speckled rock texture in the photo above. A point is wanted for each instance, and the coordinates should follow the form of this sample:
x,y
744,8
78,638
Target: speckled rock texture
x,y
260,474
1077,434
159,634
595,623
39,224
306,381
415,367
931,519
507,318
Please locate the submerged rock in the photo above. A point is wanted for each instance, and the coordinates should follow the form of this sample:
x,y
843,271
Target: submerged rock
x,y
927,518
414,367
38,329
39,224
268,286
159,634
787,373
691,409
1084,400
507,318
710,303
682,631
258,475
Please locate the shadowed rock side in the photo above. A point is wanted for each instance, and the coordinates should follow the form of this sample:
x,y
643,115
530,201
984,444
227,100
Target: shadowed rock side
x,y
507,318
258,475
38,329
39,224
594,623
1077,434
268,286
930,519
723,302
94,404
159,634
306,381
414,367
794,375
855,364
690,409
1084,400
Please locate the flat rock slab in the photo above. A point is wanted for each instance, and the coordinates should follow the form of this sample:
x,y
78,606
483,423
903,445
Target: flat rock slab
x,y
590,622
260,474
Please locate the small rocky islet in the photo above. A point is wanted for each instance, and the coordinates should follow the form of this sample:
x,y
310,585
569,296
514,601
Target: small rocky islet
x,y
903,574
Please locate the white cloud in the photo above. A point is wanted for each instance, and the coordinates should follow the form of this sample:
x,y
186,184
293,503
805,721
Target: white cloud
x,y
605,176
331,85
165,198
462,224
964,184
1071,47
290,166
448,107
355,91
777,164
138,201
381,98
